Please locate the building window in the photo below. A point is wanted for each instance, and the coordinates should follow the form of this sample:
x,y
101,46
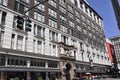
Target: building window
x,y
15,22
89,28
39,12
78,20
52,23
26,44
71,24
64,39
12,41
81,4
39,31
70,15
86,9
63,10
83,17
40,7
52,3
38,16
39,47
50,48
70,8
1,37
16,62
76,2
19,42
88,21
72,32
37,63
77,13
62,1
85,33
54,49
84,24
52,13
2,60
63,18
21,6
73,42
3,19
79,34
53,36
79,28
63,28
26,1
95,17
4,2
34,46
52,64
90,13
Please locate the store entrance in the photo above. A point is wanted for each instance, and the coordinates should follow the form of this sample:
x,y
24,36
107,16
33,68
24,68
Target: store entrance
x,y
38,75
18,75
68,67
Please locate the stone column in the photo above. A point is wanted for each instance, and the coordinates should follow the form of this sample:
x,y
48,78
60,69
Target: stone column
x,y
72,73
3,76
15,41
6,61
46,77
24,43
28,63
62,66
28,76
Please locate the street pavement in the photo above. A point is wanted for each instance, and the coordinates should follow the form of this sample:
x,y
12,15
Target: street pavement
x,y
110,79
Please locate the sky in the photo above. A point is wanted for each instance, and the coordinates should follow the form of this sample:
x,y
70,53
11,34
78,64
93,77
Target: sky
x,y
105,10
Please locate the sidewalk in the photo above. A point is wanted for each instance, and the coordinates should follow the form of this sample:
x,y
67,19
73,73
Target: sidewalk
x,y
111,79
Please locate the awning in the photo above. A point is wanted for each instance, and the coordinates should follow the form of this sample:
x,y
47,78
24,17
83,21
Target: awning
x,y
22,69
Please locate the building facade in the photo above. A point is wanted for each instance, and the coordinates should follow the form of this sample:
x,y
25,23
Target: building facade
x,y
111,51
113,69
116,43
66,40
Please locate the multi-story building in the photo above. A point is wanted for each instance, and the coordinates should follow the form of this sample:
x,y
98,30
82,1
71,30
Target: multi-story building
x,y
111,51
66,40
116,43
113,69
116,8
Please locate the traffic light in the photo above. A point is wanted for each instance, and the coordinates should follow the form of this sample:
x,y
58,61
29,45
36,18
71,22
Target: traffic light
x,y
28,24
20,22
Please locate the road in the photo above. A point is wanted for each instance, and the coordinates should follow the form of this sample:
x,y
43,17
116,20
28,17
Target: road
x,y
111,79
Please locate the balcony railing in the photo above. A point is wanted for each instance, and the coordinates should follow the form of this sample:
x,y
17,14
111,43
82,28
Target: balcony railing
x,y
66,57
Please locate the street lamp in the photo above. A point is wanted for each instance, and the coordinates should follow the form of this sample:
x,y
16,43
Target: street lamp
x,y
91,61
91,66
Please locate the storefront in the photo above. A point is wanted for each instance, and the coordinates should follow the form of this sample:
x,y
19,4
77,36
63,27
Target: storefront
x,y
25,68
30,75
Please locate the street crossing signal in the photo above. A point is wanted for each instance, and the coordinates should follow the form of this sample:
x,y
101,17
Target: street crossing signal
x,y
28,24
20,22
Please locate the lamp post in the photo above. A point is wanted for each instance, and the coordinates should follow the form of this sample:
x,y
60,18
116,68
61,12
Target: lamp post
x,y
91,66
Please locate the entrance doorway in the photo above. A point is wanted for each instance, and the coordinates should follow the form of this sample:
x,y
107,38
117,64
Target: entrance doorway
x,y
19,75
68,67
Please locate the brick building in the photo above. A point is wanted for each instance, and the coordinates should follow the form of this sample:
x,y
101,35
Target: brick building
x,y
116,43
66,40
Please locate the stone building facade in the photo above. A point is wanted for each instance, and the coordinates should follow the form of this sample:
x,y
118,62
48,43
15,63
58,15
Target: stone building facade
x,y
66,40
